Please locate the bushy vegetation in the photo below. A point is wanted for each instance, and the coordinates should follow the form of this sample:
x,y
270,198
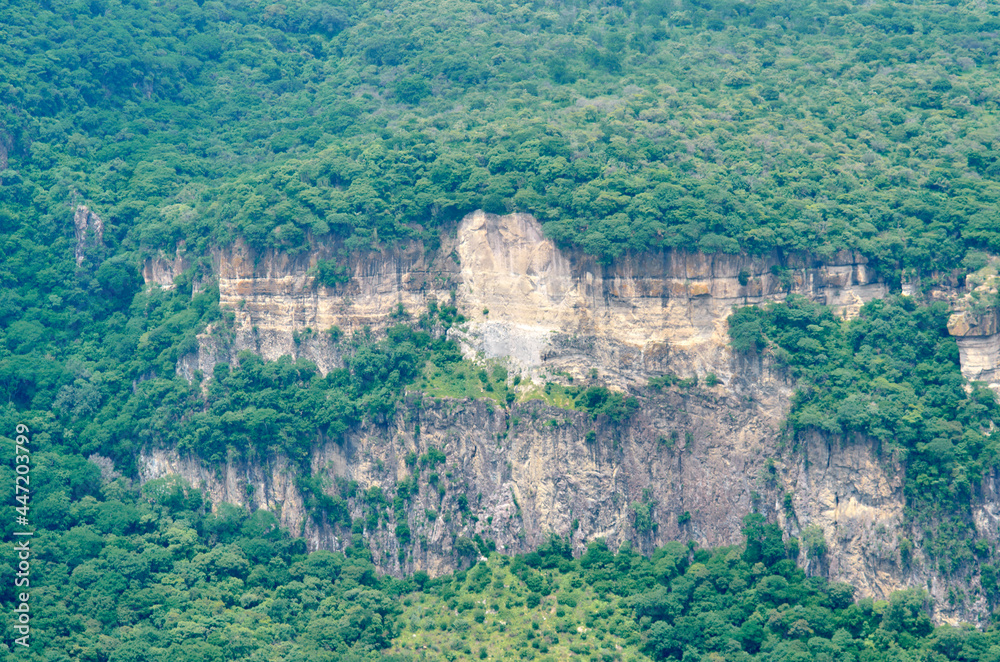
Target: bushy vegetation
x,y
704,125
734,603
127,574
124,574
253,409
716,126
710,126
891,374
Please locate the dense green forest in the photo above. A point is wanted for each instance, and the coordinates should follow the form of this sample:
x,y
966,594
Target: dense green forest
x,y
720,126
624,126
891,374
712,126
139,575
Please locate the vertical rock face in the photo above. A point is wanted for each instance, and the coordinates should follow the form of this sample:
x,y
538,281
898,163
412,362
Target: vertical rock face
x,y
162,270
976,325
696,462
855,496
269,485
526,300
978,339
89,231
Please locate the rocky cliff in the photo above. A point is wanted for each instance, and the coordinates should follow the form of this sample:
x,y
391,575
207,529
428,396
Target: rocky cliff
x,y
543,308
696,461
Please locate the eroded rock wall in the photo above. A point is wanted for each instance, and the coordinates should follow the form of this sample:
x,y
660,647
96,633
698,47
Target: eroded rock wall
x,y
545,309
698,461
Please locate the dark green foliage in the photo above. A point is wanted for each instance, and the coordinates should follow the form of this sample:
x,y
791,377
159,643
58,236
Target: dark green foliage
x,y
639,125
644,521
600,400
153,573
178,578
243,118
324,508
760,606
891,374
746,330
189,125
412,89
329,273
764,543
112,404
433,457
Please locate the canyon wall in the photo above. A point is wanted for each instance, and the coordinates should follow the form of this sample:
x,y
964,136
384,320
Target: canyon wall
x,y
524,299
696,460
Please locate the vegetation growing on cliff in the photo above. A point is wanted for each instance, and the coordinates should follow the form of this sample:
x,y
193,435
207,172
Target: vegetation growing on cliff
x,y
711,126
891,374
714,126
146,575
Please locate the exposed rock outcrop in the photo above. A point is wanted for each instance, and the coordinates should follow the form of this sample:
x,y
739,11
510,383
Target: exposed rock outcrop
x,y
978,336
162,270
697,461
89,231
975,324
527,300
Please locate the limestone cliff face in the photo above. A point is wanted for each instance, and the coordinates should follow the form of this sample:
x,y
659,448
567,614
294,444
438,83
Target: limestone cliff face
x,y
525,299
697,461
162,270
88,229
978,336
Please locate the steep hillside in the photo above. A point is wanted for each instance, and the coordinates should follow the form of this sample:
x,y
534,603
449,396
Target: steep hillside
x,y
689,461
423,279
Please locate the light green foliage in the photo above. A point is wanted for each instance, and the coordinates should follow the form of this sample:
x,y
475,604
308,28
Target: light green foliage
x,y
464,379
525,607
751,604
704,125
152,575
814,542
552,393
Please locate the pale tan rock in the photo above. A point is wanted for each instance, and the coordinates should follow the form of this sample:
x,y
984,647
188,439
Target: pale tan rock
x,y
698,289
552,312
162,270
958,325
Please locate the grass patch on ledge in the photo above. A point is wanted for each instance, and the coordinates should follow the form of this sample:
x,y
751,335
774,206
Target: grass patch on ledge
x,y
553,394
513,611
465,379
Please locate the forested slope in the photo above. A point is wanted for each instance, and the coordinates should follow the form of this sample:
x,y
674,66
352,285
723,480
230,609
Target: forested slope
x,y
131,575
804,127
720,126
716,127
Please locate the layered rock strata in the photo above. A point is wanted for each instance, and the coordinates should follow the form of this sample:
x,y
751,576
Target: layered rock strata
x,y
696,461
526,300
